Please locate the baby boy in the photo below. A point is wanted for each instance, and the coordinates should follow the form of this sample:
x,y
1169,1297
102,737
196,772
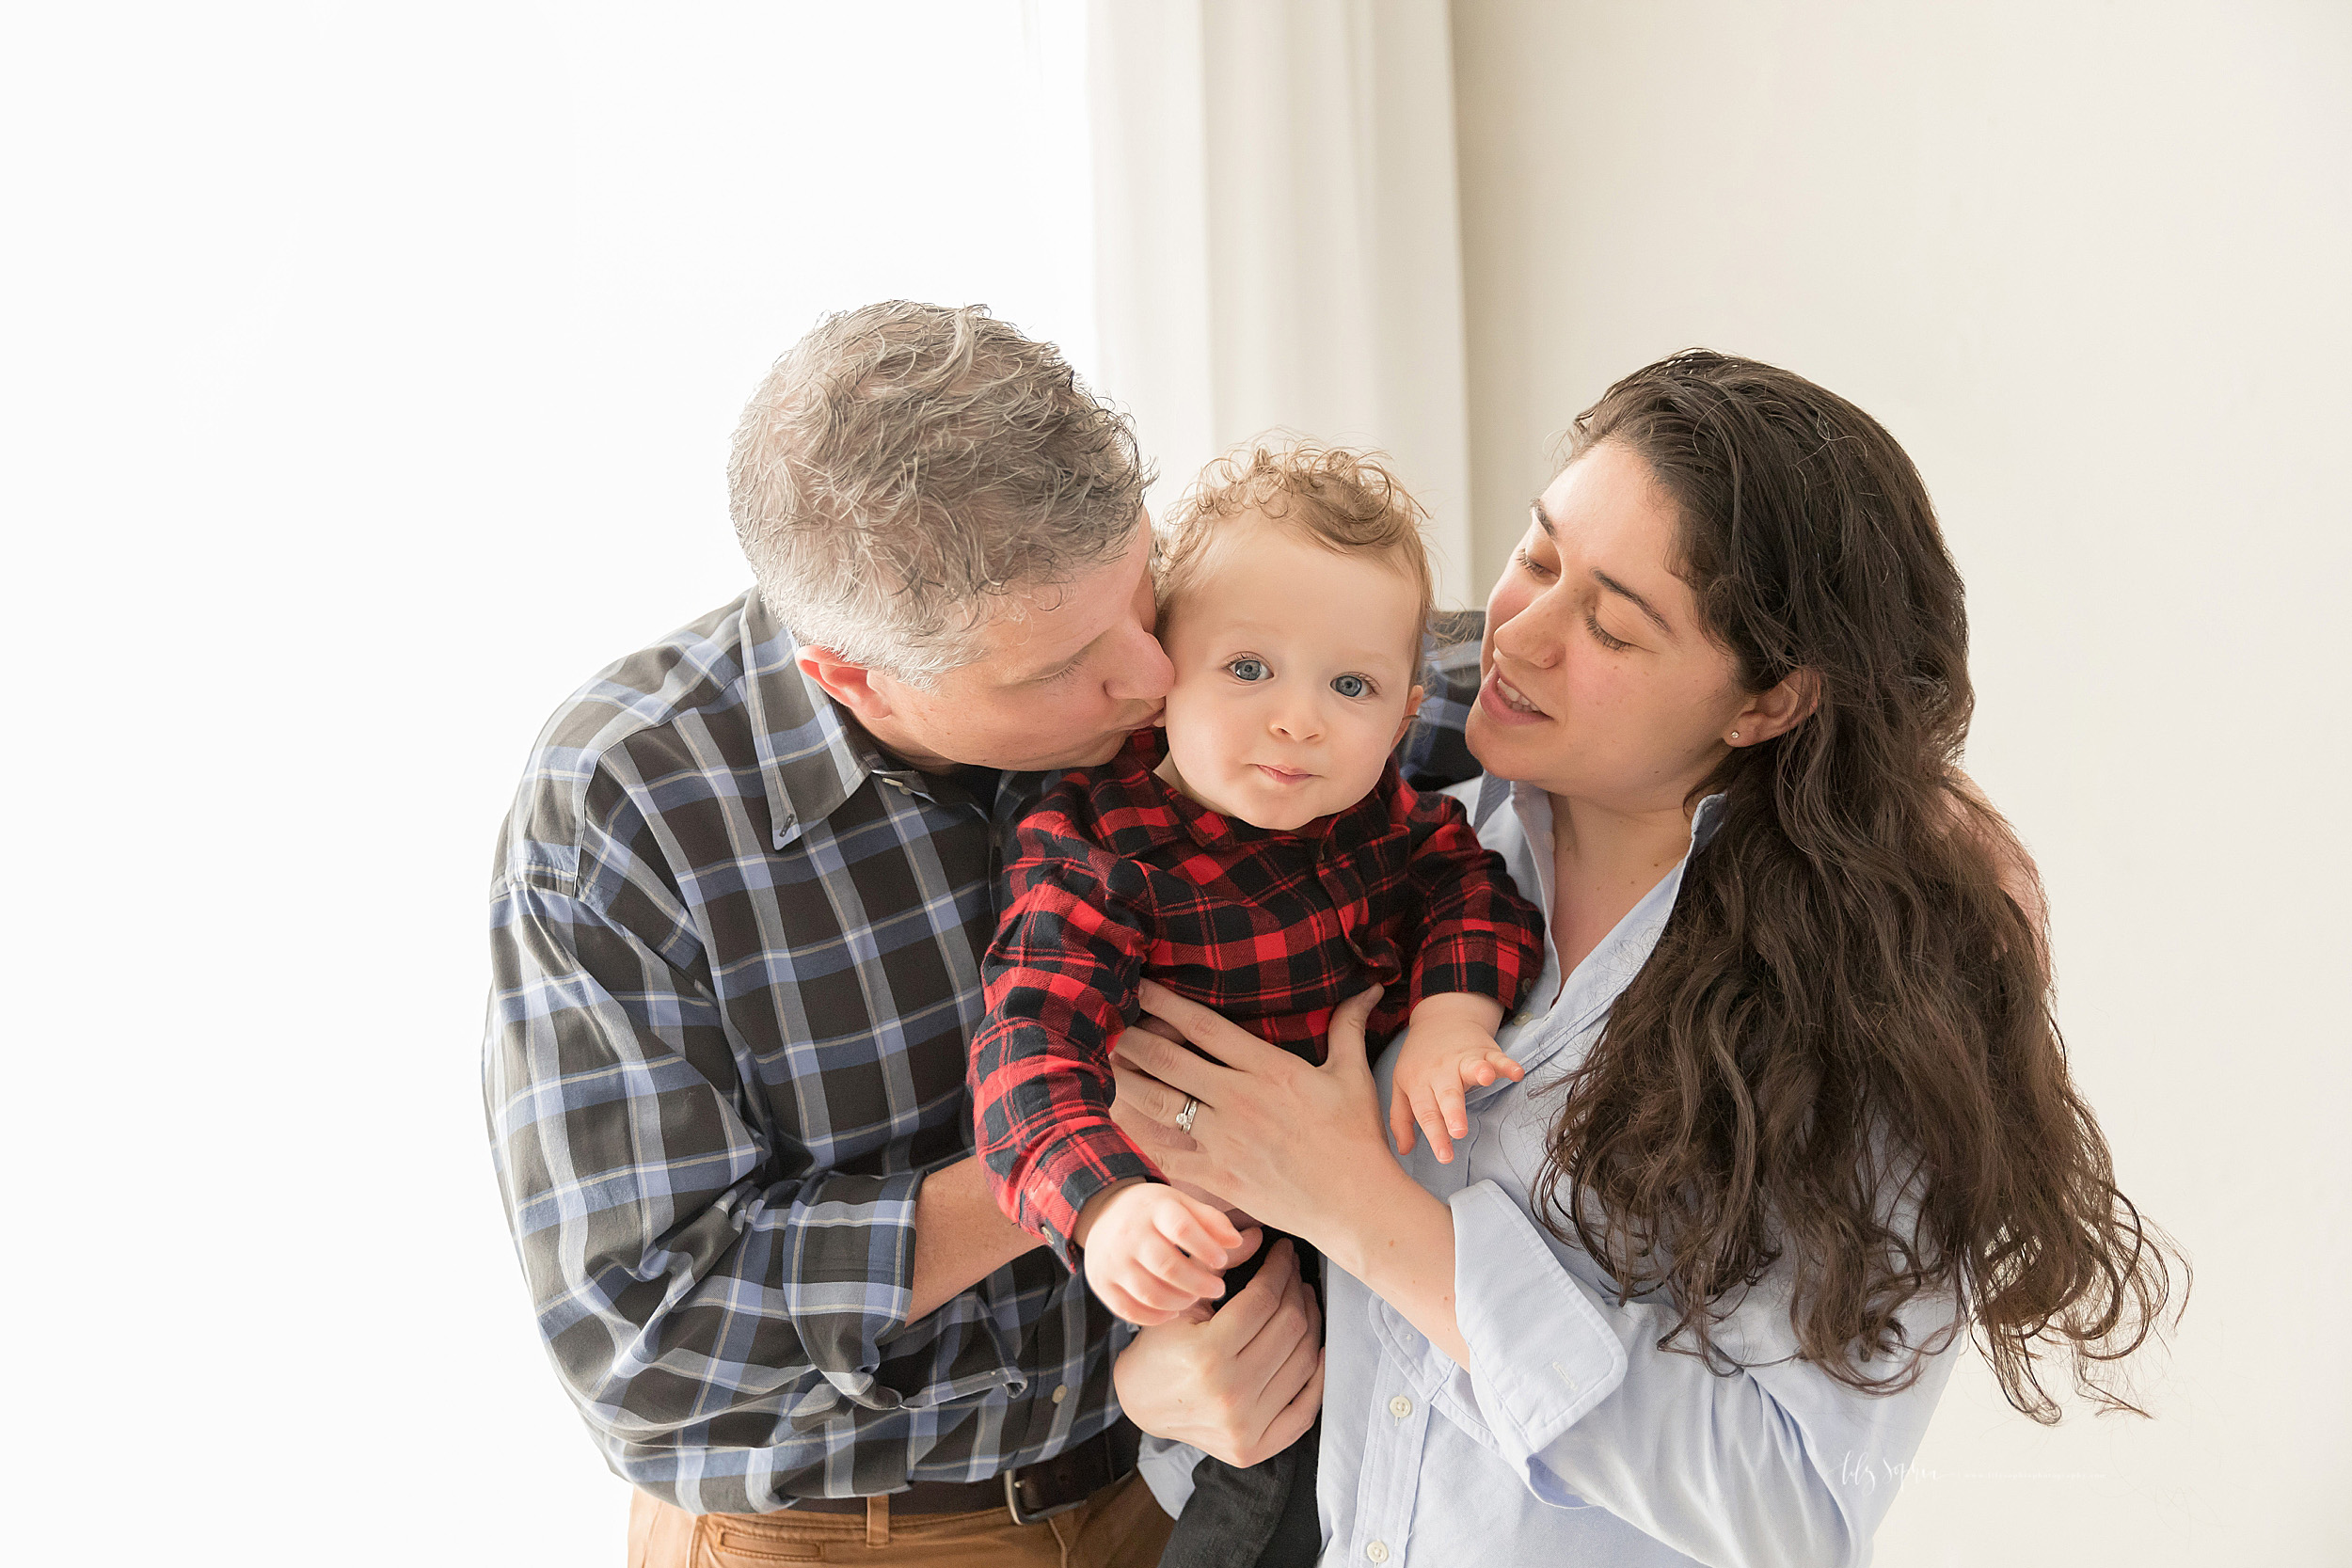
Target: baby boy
x,y
1269,862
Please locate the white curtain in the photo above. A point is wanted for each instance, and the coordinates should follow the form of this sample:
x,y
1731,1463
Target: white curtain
x,y
1277,236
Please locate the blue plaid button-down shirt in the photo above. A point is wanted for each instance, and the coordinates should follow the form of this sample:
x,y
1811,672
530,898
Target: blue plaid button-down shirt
x,y
736,959
736,955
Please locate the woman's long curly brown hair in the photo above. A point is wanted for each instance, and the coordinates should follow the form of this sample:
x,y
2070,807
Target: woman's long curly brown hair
x,y
1846,1004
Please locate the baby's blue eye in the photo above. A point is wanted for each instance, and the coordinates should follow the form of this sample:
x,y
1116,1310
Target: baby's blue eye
x,y
1247,670
1351,685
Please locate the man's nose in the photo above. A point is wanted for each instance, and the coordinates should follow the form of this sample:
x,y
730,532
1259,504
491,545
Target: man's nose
x,y
1139,673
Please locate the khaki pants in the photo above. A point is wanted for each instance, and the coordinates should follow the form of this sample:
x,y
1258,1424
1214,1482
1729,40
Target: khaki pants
x,y
1120,1526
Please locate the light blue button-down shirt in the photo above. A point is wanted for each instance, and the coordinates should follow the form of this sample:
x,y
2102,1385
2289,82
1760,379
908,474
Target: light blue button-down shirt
x,y
1572,1438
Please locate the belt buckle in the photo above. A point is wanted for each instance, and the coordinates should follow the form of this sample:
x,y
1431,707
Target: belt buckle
x,y
1012,1501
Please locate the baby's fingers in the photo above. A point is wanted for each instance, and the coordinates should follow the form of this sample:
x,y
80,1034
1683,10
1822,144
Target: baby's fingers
x,y
1427,1112
1199,1228
1127,1307
1401,1120
1456,1111
1480,1070
1170,1271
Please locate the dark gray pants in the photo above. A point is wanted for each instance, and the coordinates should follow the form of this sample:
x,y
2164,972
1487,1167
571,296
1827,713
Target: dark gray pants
x,y
1262,1516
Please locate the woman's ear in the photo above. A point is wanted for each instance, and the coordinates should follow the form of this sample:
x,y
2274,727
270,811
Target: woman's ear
x,y
1412,711
851,685
1776,709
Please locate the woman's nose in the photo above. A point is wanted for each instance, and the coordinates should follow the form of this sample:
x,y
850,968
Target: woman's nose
x,y
1529,637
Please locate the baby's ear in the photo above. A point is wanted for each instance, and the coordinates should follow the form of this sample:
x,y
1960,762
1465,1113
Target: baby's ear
x,y
1412,710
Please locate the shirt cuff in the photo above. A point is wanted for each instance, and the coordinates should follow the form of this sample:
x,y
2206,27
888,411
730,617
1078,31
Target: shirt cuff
x,y
1070,1172
1542,1355
850,1276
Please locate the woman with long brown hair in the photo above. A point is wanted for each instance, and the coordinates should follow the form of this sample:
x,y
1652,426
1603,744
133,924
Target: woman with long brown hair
x,y
1795,1120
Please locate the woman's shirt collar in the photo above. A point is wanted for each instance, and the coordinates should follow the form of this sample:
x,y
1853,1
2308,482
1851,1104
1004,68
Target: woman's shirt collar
x,y
1523,837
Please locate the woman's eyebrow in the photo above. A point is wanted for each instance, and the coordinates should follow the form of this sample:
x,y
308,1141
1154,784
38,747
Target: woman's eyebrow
x,y
1552,532
1637,602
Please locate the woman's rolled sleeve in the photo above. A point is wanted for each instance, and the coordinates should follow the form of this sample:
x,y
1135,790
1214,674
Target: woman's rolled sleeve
x,y
1773,1464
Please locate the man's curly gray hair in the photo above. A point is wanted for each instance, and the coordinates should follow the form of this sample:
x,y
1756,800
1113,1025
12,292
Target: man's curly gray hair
x,y
905,469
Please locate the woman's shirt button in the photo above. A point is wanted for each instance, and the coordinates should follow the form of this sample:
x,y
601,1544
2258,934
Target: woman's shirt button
x,y
1399,1407
1377,1551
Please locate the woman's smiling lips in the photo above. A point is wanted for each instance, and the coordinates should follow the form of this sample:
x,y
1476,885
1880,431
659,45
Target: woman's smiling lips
x,y
1506,704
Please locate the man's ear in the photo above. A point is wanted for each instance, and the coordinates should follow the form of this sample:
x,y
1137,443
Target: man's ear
x,y
1777,709
1412,711
851,685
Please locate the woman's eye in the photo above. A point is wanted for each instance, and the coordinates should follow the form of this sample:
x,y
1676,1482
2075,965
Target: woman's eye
x,y
1352,686
1530,565
1612,643
1247,670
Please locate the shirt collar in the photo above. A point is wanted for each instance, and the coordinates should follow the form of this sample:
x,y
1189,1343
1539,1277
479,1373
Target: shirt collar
x,y
1587,993
1534,807
812,755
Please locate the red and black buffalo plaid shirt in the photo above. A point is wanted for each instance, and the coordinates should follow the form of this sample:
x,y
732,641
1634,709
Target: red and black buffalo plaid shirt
x,y
1116,877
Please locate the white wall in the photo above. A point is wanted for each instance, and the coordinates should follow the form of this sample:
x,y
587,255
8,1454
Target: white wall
x,y
2088,263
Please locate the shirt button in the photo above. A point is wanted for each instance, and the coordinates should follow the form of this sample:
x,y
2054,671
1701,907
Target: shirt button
x,y
1377,1551
1400,1407
1061,1392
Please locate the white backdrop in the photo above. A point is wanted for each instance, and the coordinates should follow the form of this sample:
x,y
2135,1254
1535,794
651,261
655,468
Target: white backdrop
x,y
370,377
369,373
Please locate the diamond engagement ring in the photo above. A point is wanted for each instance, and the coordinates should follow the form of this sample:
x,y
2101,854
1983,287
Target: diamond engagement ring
x,y
1183,1117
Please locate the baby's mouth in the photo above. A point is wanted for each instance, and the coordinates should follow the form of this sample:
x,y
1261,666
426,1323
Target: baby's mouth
x,y
1281,775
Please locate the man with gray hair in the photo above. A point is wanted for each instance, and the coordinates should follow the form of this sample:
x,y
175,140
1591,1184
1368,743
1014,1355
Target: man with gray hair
x,y
737,920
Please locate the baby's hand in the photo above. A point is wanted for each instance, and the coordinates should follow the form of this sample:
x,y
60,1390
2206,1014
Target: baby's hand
x,y
1439,1063
1136,1238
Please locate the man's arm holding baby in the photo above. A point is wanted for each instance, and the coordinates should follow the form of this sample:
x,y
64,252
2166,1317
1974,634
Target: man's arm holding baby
x,y
961,1237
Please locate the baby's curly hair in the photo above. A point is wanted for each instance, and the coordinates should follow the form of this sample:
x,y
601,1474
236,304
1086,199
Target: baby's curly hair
x,y
1344,499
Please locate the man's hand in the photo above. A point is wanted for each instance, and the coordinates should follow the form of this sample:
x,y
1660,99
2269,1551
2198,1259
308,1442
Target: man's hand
x,y
1151,1252
1449,1048
1244,1385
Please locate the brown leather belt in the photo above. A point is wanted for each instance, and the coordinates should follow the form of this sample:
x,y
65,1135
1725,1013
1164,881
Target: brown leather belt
x,y
1031,1493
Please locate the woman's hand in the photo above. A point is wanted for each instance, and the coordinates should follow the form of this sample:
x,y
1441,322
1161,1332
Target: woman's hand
x,y
1300,1148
